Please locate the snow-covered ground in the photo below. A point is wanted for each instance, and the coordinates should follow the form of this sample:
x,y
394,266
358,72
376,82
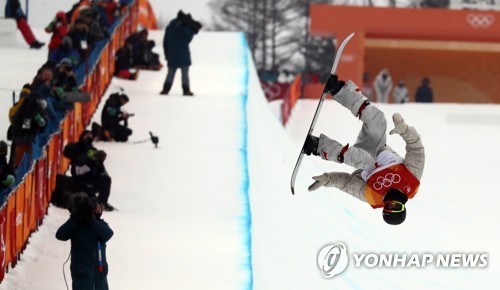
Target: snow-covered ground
x,y
183,216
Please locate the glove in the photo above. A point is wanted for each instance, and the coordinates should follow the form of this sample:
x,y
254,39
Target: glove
x,y
333,85
8,181
321,180
311,145
399,125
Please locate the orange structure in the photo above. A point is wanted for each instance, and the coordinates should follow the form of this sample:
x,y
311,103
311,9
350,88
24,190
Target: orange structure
x,y
459,50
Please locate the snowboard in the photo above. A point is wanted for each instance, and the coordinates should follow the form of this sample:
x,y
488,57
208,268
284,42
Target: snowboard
x,y
338,54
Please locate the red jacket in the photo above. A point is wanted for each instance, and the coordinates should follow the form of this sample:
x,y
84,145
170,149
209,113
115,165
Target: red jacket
x,y
59,28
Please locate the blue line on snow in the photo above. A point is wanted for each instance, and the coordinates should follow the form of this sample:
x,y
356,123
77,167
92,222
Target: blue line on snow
x,y
247,214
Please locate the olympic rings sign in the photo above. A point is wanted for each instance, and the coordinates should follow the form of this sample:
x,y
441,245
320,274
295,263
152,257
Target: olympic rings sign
x,y
386,181
480,20
274,91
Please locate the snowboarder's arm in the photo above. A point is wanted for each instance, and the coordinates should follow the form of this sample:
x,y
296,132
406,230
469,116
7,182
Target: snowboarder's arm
x,y
352,183
415,153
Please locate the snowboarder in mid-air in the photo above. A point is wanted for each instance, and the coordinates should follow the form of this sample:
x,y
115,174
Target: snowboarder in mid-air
x,y
382,178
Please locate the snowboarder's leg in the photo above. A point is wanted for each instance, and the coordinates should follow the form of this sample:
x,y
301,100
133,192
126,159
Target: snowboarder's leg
x,y
330,149
373,133
372,137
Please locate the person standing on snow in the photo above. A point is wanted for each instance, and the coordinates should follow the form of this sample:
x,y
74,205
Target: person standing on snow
x,y
383,85
400,93
382,178
88,234
13,10
178,35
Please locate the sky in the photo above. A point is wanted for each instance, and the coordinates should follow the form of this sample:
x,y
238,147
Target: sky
x,y
167,10
215,194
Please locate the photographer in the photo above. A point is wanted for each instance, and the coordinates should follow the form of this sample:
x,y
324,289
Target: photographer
x,y
112,115
178,35
88,234
90,176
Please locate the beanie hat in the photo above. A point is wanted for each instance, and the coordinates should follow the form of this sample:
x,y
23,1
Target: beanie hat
x,y
25,91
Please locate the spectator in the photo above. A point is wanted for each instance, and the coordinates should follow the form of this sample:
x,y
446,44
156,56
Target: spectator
x,y
123,63
383,85
88,234
107,10
95,30
42,85
79,31
400,93
13,10
64,77
178,35
65,50
28,121
143,56
59,28
7,178
424,93
367,89
112,115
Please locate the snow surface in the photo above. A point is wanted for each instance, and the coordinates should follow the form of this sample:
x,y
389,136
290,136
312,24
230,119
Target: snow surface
x,y
184,216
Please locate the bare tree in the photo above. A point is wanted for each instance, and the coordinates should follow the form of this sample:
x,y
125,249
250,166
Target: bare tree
x,y
277,32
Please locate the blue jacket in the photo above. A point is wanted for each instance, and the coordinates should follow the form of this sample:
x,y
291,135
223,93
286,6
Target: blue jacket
x,y
176,44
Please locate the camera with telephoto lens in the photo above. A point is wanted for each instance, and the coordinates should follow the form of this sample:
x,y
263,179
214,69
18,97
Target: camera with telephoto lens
x,y
188,21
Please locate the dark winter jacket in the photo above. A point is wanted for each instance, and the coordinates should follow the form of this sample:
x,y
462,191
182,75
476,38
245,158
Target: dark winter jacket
x,y
84,252
123,59
111,113
5,171
79,38
28,121
176,44
424,94
81,148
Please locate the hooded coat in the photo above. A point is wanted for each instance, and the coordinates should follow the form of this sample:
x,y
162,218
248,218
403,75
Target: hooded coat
x,y
176,44
87,270
59,28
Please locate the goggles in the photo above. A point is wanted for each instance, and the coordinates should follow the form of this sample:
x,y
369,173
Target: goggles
x,y
394,206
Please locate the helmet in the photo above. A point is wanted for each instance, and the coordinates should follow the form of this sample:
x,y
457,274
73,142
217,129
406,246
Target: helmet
x,y
394,212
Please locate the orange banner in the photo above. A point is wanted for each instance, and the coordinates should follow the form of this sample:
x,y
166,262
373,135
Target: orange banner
x,y
146,15
458,55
